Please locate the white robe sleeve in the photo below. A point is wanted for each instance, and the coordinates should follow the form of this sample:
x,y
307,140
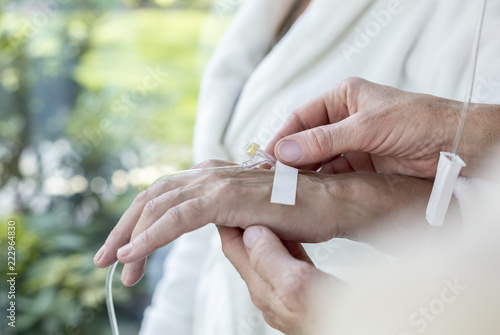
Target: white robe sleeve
x,y
172,306
467,190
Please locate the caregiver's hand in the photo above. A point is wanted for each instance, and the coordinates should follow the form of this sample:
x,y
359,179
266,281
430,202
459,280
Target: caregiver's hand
x,y
362,126
327,206
283,282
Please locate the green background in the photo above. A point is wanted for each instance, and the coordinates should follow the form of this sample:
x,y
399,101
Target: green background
x,y
97,99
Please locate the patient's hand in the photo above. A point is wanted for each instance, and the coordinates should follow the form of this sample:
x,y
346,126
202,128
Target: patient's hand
x,y
327,206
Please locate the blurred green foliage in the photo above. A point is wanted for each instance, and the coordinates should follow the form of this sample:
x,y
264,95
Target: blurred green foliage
x,y
169,52
97,99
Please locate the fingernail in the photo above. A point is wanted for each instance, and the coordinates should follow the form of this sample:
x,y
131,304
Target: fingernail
x,y
125,250
99,254
290,151
251,235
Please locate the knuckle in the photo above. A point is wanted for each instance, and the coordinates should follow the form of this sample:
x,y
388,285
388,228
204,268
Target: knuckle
x,y
147,239
117,235
350,90
176,214
352,82
142,197
225,187
295,118
302,270
259,256
150,208
293,280
256,260
319,141
285,296
196,206
159,187
262,304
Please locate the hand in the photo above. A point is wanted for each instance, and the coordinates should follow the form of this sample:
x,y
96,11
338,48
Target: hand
x,y
234,198
362,126
283,282
328,206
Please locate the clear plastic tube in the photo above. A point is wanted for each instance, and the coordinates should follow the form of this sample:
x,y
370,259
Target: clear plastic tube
x,y
198,171
109,300
258,158
471,79
450,164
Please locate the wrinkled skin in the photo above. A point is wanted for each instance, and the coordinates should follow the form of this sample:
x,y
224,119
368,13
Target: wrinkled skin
x,y
362,126
327,206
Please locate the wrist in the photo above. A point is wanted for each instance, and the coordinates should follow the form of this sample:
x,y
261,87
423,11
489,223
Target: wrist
x,y
367,199
481,137
378,206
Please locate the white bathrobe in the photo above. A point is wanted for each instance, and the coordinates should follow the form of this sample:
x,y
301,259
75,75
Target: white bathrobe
x,y
251,85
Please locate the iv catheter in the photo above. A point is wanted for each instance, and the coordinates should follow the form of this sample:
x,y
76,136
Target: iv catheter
x,y
257,156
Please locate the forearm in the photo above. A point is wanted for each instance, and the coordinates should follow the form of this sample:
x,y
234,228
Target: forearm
x,y
481,137
383,210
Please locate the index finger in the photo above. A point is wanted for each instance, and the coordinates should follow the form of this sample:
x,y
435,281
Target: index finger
x,y
122,232
330,107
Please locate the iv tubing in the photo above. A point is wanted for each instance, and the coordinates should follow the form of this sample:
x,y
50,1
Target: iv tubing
x,y
196,171
109,300
471,79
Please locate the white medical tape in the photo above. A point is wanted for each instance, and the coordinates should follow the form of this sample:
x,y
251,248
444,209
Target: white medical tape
x,y
284,185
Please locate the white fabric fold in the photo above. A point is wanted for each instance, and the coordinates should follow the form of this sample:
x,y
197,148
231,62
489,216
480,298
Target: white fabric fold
x,y
244,45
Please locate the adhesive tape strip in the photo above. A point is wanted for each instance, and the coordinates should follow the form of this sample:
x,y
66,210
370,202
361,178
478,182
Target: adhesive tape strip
x,y
284,185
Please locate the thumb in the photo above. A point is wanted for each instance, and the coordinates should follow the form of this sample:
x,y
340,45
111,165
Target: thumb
x,y
319,144
268,256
